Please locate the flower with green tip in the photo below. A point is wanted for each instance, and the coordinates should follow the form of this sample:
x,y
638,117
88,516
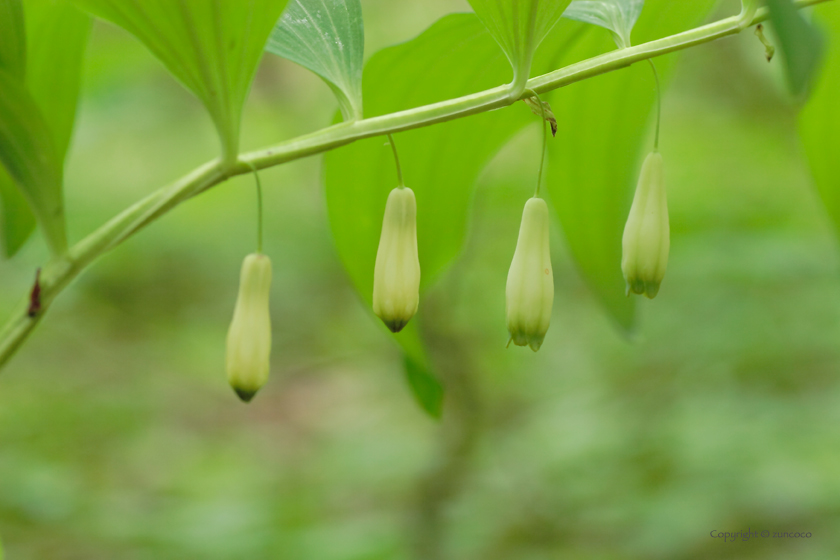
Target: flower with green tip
x,y
530,282
396,276
646,240
249,336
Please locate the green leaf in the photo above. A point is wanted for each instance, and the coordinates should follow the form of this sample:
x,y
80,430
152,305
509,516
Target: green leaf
x,y
18,221
440,163
594,161
424,384
57,35
12,38
28,153
800,42
617,16
819,122
455,56
519,26
328,38
212,46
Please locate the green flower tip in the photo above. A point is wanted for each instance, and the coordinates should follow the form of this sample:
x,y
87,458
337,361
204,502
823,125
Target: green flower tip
x,y
395,325
245,395
639,287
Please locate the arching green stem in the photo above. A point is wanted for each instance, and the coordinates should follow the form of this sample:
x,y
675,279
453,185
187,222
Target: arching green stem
x,y
396,161
658,106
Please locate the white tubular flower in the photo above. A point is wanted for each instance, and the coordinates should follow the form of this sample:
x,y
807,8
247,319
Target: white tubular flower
x,y
530,282
249,337
396,277
647,240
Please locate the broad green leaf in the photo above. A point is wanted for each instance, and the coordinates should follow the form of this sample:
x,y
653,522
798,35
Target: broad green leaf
x,y
328,38
617,16
800,42
56,35
819,122
12,38
28,152
212,46
18,221
455,56
440,163
519,26
594,160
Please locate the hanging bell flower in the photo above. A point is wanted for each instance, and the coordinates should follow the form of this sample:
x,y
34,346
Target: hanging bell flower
x,y
646,240
396,276
530,282
249,337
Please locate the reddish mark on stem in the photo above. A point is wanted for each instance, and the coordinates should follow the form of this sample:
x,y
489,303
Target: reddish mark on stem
x,y
35,296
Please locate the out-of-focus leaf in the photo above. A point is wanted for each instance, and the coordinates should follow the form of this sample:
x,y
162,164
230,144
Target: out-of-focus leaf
x,y
28,153
56,34
819,122
328,38
425,386
212,46
800,42
603,126
455,56
12,38
519,26
18,221
618,16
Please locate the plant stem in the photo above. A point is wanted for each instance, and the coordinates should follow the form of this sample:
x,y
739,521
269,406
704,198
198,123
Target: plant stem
x,y
544,146
259,211
658,106
60,271
396,161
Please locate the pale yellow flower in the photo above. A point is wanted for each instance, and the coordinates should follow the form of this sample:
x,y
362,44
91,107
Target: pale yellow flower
x,y
249,336
396,276
646,240
530,283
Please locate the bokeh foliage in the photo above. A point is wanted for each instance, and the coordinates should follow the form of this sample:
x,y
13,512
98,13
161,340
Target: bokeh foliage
x,y
120,439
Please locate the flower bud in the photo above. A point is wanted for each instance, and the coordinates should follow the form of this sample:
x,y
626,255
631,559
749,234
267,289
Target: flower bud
x,y
396,277
646,239
530,282
249,337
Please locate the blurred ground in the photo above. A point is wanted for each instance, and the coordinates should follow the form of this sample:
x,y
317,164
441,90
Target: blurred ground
x,y
119,437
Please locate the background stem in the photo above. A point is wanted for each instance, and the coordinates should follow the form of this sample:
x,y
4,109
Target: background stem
x,y
461,427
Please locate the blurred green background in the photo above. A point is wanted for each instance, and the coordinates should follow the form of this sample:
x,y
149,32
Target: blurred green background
x,y
120,438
